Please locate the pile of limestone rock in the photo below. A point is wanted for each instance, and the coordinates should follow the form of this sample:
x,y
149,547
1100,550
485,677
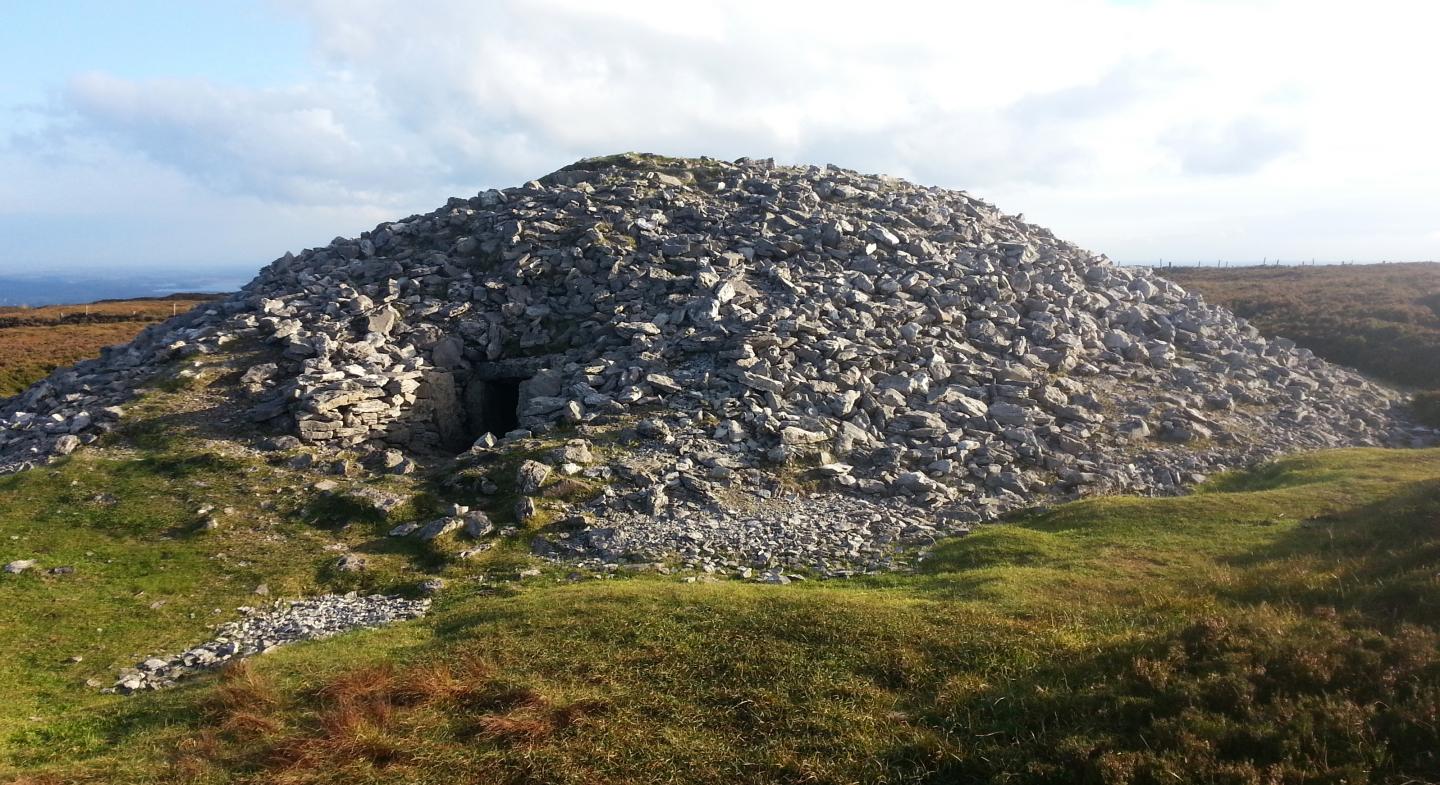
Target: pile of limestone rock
x,y
899,341
261,630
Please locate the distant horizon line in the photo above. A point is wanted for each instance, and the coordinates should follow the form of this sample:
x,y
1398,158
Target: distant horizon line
x,y
1266,262
54,270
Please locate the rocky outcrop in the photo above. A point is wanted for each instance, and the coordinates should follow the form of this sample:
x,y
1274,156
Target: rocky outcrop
x,y
916,341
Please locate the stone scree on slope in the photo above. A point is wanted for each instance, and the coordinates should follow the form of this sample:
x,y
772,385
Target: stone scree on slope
x,y
263,630
917,341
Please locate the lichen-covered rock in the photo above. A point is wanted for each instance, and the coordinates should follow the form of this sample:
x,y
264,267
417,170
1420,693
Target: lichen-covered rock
x,y
530,476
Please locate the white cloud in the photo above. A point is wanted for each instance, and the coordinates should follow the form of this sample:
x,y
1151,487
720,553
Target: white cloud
x,y
1240,146
302,144
1194,124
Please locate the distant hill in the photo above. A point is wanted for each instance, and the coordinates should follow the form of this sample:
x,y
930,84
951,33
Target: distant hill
x,y
1383,319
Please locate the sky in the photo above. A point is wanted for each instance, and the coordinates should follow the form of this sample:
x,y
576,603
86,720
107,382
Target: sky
x,y
152,134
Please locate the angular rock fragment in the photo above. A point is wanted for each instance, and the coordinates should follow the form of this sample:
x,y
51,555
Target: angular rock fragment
x,y
530,476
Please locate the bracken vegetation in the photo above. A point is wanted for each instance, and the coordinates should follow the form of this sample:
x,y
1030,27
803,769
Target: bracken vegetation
x,y
36,341
1427,407
1383,319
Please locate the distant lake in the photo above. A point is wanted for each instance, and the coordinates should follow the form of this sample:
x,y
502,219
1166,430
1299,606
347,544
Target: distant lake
x,y
66,288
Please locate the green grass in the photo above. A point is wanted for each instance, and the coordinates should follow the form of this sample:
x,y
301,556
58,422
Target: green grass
x,y
148,580
689,169
143,549
1278,626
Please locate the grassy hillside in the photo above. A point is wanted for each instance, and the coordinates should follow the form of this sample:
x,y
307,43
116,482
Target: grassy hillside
x,y
1282,625
1383,319
36,341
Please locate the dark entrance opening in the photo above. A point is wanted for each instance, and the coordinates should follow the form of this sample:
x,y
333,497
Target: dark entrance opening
x,y
492,406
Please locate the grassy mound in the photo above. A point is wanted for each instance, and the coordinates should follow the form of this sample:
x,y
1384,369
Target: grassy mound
x,y
1282,625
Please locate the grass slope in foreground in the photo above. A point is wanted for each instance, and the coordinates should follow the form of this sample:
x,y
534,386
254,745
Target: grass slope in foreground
x,y
1281,625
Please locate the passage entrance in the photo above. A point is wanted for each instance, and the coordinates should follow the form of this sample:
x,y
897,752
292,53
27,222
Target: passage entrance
x,y
492,406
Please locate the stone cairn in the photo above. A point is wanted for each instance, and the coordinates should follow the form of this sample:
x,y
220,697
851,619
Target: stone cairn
x,y
909,342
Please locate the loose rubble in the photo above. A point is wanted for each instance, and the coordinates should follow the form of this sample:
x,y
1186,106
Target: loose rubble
x,y
911,348
831,535
262,630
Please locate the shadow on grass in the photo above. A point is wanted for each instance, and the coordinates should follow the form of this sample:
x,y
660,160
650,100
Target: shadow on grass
x,y
337,511
176,466
97,732
1380,558
1289,473
1240,697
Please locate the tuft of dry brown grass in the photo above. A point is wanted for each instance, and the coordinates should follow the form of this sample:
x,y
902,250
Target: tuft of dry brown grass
x,y
359,720
241,687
